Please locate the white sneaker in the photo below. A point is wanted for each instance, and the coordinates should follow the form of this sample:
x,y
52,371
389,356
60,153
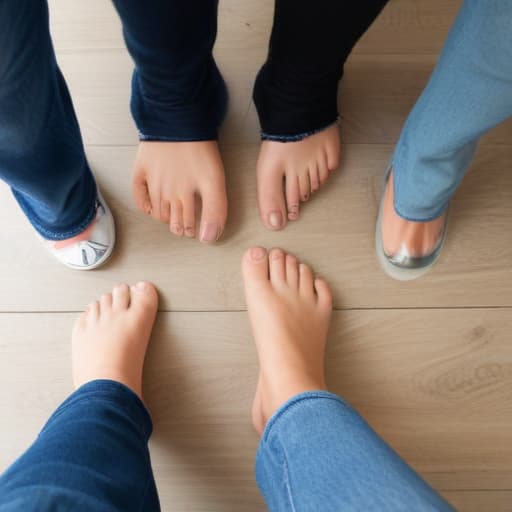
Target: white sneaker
x,y
93,250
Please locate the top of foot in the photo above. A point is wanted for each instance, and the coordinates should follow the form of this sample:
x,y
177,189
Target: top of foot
x,y
110,338
290,312
289,172
168,179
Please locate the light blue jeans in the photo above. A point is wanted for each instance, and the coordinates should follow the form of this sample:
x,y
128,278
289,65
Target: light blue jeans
x,y
469,92
316,455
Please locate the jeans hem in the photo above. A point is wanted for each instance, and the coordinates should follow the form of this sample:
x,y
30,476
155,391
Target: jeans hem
x,y
114,392
298,137
162,138
293,402
48,234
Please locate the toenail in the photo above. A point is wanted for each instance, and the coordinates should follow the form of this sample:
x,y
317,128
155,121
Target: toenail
x,y
276,219
176,228
305,197
189,231
210,232
140,286
257,253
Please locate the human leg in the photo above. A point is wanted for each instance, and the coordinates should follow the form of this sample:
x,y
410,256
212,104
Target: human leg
x,y
316,452
92,453
178,102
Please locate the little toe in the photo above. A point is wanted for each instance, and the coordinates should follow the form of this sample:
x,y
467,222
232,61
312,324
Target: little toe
x,y
271,201
292,272
277,263
176,221
306,279
292,196
121,297
255,266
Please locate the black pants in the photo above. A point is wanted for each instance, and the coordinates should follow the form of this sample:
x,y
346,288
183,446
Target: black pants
x,y
178,93
296,89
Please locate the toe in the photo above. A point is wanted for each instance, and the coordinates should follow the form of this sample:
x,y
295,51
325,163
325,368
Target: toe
x,y
156,202
292,272
140,192
271,201
323,169
144,295
277,263
306,279
324,294
93,312
314,179
121,297
106,302
214,212
189,216
292,196
304,186
255,265
165,211
176,222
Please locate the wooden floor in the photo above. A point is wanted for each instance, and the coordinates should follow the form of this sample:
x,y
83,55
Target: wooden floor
x,y
428,363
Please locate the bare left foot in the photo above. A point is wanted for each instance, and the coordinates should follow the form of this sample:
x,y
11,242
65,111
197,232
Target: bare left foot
x,y
290,312
303,167
111,337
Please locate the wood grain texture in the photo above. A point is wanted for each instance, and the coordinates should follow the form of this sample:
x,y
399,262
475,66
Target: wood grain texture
x,y
335,234
427,363
440,396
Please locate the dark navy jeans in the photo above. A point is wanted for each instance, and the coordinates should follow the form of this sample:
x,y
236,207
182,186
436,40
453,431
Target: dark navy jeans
x,y
177,94
316,455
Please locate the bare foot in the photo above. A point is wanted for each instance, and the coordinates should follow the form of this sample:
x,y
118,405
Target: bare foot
x,y
168,176
405,237
301,166
110,338
290,312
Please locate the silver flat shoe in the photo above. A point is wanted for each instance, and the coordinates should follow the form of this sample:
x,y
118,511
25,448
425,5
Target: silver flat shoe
x,y
402,266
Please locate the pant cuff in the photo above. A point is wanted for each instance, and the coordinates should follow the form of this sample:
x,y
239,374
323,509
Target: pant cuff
x,y
113,392
295,138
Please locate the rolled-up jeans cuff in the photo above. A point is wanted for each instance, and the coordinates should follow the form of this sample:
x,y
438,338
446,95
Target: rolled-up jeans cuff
x,y
296,137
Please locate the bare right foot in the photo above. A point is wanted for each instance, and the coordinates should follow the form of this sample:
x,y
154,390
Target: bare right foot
x,y
290,312
110,338
168,176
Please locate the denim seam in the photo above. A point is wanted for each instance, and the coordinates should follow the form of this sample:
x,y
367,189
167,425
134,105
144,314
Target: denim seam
x,y
296,138
288,485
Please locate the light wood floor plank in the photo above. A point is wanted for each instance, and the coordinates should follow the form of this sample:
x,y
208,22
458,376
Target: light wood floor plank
x,y
335,234
375,96
480,501
417,27
435,384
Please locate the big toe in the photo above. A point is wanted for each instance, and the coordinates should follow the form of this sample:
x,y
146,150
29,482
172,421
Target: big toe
x,y
144,297
271,200
255,265
214,213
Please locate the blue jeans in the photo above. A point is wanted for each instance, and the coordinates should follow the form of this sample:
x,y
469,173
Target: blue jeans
x,y
177,94
316,454
469,92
